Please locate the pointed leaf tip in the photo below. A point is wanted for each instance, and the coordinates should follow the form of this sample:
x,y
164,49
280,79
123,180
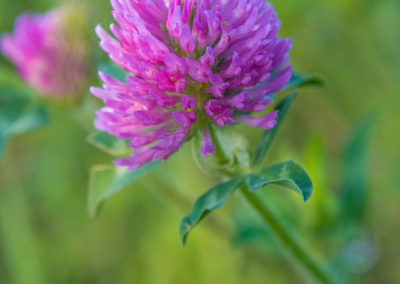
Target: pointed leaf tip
x,y
300,80
286,174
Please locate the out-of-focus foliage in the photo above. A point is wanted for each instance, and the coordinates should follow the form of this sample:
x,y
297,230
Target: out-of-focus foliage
x,y
47,236
106,180
109,143
355,173
20,111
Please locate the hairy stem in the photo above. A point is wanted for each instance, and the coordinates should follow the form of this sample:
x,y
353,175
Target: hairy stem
x,y
304,257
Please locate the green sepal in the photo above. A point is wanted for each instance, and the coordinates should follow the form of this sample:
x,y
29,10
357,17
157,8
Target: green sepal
x,y
232,153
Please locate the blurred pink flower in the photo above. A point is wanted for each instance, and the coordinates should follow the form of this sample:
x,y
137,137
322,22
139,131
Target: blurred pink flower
x,y
45,57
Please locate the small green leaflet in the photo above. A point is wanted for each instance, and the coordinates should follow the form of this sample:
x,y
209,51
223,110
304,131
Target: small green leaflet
x,y
286,174
268,136
209,201
109,143
106,180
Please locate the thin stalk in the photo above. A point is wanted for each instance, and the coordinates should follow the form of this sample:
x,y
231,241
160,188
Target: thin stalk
x,y
304,257
214,225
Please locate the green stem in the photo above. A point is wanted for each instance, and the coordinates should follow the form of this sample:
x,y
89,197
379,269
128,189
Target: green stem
x,y
302,255
283,233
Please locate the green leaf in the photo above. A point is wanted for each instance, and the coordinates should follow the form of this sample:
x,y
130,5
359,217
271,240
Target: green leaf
x,y
355,171
299,80
209,201
107,180
18,114
268,135
287,174
109,143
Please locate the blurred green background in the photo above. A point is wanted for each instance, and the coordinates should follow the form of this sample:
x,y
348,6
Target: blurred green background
x,y
345,134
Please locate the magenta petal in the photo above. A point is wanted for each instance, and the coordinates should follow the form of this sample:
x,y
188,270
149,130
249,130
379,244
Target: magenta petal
x,y
222,44
175,64
198,71
188,102
233,69
137,160
236,101
266,122
207,145
208,58
183,118
219,112
218,86
145,138
180,85
175,25
280,80
187,41
187,10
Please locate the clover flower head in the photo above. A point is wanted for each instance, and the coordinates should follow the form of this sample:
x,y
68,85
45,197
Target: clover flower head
x,y
192,63
46,56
